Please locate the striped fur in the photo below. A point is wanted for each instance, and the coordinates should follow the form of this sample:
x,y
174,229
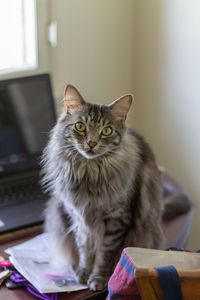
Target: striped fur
x,y
104,199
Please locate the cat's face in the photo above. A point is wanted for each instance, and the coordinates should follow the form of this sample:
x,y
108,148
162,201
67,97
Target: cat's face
x,y
93,129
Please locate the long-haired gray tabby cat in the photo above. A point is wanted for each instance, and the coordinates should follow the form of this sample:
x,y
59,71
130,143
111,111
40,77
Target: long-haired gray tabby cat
x,y
105,187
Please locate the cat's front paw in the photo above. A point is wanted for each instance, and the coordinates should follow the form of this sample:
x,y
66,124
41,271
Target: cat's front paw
x,y
82,275
97,282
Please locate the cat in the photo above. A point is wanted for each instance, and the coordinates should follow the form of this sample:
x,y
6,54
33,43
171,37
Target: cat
x,y
106,192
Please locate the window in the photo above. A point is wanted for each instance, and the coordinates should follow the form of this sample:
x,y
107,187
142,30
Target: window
x,y
18,49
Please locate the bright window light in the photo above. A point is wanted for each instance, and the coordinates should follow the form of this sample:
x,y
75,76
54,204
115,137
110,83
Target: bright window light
x,y
17,35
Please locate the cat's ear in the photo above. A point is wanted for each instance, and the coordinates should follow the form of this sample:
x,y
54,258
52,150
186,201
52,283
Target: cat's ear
x,y
121,106
73,100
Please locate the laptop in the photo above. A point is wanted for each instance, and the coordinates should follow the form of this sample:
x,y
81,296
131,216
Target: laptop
x,y
27,114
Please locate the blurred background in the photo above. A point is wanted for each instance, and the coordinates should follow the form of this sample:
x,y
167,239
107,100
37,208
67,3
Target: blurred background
x,y
107,48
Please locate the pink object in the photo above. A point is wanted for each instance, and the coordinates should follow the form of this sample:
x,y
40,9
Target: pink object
x,y
55,275
5,263
122,284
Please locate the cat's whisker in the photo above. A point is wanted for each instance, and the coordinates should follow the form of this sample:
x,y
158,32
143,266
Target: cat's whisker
x,y
68,148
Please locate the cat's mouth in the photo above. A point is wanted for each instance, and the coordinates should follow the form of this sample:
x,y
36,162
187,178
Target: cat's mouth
x,y
90,152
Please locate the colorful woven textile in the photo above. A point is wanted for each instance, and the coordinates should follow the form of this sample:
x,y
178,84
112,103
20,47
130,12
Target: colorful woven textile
x,y
122,284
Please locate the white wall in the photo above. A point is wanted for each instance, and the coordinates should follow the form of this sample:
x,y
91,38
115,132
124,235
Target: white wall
x,y
95,47
167,106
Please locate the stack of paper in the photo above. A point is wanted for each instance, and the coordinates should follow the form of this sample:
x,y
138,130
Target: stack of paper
x,y
32,260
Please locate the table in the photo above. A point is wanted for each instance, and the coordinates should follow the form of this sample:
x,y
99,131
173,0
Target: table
x,y
177,234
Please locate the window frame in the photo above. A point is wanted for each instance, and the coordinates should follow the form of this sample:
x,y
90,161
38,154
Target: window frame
x,y
42,47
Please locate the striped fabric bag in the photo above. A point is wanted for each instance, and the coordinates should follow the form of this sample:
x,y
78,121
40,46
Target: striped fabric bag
x,y
122,284
176,272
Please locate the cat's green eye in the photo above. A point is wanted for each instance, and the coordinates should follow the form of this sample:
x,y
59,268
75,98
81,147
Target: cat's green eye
x,y
107,131
80,126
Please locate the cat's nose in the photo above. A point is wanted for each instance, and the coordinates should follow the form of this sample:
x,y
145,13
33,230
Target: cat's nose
x,y
92,144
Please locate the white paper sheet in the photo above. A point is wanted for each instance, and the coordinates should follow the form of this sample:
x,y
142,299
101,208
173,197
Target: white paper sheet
x,y
32,260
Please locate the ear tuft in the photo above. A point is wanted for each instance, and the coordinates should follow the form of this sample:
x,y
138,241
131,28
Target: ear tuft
x,y
73,99
121,106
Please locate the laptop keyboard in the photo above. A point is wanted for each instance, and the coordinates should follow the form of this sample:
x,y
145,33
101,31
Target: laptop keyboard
x,y
21,190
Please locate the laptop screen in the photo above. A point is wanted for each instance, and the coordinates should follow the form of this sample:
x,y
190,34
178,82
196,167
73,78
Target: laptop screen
x,y
27,115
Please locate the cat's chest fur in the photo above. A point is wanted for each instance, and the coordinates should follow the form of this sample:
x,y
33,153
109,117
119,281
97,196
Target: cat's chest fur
x,y
94,189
